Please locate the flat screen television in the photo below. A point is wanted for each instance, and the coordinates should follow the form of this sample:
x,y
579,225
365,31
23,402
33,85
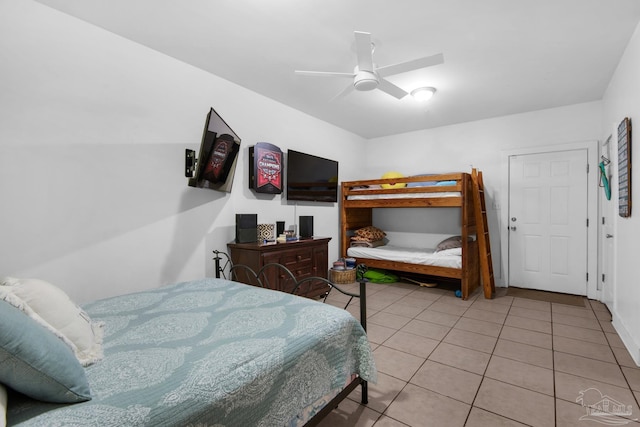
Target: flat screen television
x,y
311,178
216,163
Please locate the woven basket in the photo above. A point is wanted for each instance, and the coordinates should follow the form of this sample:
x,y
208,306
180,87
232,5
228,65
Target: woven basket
x,y
343,276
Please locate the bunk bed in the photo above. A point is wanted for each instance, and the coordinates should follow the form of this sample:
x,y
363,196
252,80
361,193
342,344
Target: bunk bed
x,y
453,190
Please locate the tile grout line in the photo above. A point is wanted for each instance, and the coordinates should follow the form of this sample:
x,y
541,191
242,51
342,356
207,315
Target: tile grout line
x,y
618,361
615,356
492,353
407,382
484,374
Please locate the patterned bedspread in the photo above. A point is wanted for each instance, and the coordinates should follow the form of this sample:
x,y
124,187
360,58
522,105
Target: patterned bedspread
x,y
211,353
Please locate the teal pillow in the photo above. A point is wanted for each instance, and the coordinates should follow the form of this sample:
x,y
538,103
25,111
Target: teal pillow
x,y
36,363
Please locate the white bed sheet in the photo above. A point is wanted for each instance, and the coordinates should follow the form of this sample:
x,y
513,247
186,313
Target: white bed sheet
x,y
402,195
408,255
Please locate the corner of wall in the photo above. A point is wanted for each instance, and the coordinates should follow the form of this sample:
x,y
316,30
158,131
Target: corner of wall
x,y
626,335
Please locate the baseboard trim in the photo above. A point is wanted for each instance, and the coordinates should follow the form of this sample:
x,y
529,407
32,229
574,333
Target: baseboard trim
x,y
626,337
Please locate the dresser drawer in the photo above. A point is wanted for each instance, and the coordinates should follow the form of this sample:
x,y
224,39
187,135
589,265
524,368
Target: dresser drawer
x,y
303,258
294,260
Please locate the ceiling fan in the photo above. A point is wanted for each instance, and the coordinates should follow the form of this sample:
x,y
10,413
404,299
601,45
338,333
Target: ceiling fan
x,y
368,76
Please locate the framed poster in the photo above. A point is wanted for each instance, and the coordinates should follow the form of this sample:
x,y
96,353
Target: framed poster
x,y
624,168
223,152
265,168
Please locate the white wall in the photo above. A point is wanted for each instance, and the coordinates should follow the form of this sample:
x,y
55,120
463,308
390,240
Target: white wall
x,y
93,130
479,144
622,100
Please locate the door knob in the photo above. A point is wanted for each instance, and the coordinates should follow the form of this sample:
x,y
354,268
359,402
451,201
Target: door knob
x,y
609,236
513,228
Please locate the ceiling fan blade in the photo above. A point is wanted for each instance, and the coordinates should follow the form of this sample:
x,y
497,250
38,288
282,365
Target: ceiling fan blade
x,y
346,91
393,90
363,51
416,64
323,73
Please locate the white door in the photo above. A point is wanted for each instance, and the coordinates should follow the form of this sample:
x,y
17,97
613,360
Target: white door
x,y
548,221
608,211
607,278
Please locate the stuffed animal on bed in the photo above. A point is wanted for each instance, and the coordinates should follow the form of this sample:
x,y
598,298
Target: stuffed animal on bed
x,y
388,175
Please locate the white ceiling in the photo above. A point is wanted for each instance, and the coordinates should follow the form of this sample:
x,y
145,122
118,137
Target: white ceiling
x,y
501,56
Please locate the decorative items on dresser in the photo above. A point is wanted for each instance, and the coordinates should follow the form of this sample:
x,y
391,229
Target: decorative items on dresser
x,y
304,258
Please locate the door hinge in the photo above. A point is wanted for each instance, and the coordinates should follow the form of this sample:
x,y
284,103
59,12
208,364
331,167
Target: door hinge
x,y
602,220
587,222
602,277
587,277
587,167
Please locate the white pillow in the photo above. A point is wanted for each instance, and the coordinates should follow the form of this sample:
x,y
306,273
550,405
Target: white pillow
x,y
448,252
53,306
7,295
3,406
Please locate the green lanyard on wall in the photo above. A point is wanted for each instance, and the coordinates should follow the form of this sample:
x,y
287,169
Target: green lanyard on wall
x,y
605,180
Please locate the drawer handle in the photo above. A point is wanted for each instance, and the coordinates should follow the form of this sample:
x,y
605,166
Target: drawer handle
x,y
299,257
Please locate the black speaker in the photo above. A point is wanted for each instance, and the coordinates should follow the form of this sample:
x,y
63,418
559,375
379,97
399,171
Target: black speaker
x,y
246,228
306,227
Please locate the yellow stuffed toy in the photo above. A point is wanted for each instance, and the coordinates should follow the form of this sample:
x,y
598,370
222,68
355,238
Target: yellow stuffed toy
x,y
393,175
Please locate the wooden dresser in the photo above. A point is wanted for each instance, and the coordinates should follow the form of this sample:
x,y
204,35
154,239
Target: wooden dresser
x,y
304,258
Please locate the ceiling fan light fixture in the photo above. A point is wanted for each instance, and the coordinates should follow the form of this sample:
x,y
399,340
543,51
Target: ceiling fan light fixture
x,y
368,76
423,94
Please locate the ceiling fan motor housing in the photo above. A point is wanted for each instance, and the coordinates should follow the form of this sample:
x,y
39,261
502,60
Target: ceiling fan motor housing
x,y
365,80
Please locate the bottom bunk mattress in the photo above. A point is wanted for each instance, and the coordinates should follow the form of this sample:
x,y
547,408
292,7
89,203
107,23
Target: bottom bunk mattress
x,y
451,258
211,352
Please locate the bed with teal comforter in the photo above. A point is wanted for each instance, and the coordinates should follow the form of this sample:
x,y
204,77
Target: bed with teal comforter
x,y
211,353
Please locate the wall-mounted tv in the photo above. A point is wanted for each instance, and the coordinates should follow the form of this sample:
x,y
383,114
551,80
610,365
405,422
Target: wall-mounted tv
x,y
311,178
216,163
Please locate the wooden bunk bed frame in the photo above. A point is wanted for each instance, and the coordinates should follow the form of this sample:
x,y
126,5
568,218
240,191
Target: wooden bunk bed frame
x,y
356,214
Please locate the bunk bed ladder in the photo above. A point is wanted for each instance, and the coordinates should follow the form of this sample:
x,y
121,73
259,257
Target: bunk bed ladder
x,y
484,244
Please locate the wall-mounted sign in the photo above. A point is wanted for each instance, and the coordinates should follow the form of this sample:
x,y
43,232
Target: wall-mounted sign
x,y
624,168
265,168
220,159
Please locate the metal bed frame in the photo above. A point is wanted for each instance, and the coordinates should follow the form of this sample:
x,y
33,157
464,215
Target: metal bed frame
x,y
225,269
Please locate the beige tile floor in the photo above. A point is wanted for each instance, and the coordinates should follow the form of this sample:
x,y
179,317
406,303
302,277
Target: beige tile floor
x,y
502,362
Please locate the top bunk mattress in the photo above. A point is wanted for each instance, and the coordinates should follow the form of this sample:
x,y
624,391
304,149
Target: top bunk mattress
x,y
414,187
448,258
378,196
